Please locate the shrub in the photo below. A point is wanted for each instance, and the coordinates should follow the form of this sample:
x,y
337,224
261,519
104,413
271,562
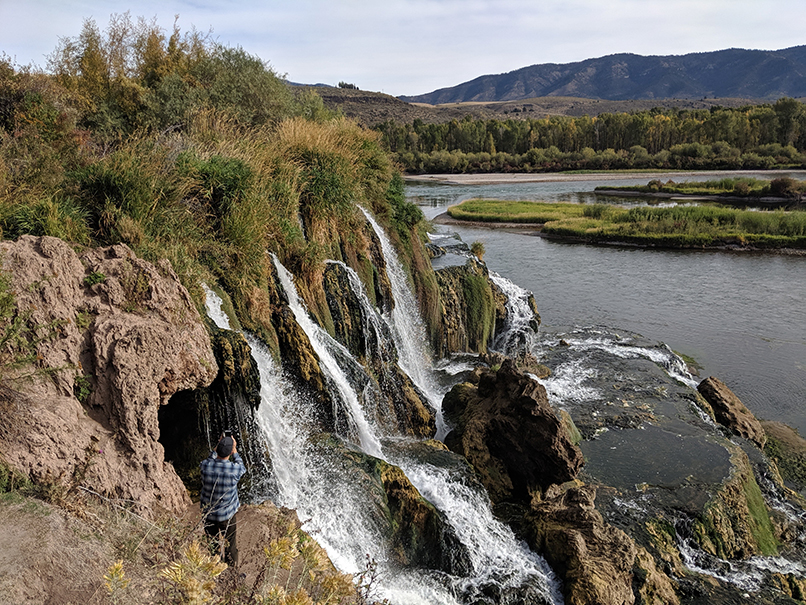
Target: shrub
x,y
785,187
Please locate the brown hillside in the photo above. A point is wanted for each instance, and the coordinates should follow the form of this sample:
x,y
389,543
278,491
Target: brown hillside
x,y
371,108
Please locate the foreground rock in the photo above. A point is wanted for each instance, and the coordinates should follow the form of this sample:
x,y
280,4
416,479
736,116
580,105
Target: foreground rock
x,y
507,430
597,562
115,338
729,411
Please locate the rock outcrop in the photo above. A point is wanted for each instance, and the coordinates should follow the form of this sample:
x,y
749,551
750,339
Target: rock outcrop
x,y
507,430
597,562
470,308
729,411
116,337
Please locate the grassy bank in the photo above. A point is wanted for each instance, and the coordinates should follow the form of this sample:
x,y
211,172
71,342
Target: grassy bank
x,y
678,227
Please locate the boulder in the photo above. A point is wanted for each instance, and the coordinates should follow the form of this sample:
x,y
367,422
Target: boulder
x,y
116,338
507,430
729,411
597,562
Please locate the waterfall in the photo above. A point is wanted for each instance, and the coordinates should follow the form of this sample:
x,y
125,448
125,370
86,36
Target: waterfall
x,y
324,346
520,332
345,518
407,328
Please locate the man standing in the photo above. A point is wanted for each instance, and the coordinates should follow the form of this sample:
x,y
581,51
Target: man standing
x,y
220,473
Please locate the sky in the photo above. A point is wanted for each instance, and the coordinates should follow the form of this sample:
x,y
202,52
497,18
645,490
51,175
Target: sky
x,y
411,47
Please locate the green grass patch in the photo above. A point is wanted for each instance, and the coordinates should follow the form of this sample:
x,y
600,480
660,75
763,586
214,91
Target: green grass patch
x,y
504,211
676,227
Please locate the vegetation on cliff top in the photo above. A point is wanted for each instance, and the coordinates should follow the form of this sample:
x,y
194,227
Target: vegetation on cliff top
x,y
681,226
188,150
731,188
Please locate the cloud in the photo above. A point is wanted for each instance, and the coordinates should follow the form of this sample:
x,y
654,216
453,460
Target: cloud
x,y
416,46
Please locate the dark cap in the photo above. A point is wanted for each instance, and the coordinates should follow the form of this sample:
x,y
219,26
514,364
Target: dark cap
x,y
224,447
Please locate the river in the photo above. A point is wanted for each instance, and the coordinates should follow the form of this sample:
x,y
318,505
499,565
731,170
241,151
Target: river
x,y
741,316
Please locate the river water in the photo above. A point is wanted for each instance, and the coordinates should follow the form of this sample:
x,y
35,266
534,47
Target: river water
x,y
741,316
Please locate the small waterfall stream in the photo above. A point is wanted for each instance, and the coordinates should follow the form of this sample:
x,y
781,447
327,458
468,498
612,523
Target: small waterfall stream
x,y
324,346
520,332
407,328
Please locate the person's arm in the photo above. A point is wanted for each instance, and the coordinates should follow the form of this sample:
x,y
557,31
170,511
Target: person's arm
x,y
238,462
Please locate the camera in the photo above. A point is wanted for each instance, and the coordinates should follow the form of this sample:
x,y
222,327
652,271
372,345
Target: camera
x,y
227,433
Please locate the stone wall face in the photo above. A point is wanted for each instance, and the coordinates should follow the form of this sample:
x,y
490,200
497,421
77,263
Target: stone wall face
x,y
116,338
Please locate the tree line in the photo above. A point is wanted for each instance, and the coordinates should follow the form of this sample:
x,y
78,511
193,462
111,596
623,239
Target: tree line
x,y
751,137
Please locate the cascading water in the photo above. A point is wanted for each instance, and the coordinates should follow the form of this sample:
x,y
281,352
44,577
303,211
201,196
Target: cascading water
x,y
312,480
499,560
520,332
407,328
323,344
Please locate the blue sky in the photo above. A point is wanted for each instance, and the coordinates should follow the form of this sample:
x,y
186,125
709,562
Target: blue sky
x,y
409,47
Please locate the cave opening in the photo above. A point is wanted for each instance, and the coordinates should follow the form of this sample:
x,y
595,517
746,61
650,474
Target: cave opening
x,y
184,434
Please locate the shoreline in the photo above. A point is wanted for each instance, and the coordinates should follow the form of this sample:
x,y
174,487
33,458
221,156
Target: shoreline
x,y
558,177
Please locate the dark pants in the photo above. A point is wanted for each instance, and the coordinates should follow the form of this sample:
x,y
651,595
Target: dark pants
x,y
228,527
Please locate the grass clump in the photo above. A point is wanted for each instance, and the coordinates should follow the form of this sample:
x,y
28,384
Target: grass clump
x,y
479,311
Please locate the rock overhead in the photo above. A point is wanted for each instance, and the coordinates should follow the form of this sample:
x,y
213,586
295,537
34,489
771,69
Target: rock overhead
x,y
120,336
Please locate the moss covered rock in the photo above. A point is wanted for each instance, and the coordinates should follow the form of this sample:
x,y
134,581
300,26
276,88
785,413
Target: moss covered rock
x,y
469,305
736,524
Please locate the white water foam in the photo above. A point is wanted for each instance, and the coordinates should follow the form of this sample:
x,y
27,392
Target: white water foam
x,y
661,355
497,556
215,308
565,384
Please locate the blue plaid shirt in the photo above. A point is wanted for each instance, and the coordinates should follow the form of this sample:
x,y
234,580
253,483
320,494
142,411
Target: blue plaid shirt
x,y
219,494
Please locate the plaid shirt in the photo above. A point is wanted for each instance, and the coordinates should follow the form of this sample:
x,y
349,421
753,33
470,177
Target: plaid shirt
x,y
219,494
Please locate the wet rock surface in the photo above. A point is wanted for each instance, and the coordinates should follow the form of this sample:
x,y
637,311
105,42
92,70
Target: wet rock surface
x,y
369,340
470,306
693,498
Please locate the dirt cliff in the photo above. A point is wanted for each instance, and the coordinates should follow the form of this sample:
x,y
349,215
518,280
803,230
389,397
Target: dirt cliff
x,y
112,337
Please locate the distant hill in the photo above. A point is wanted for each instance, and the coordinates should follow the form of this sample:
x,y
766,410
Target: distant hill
x,y
737,73
372,108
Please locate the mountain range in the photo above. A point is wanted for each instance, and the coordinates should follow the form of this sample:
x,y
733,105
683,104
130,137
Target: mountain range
x,y
735,72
